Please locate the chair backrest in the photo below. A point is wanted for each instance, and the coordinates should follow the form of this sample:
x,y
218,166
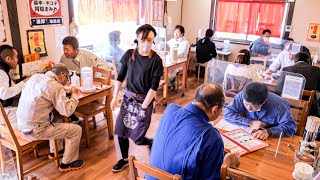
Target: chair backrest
x,y
188,57
298,110
309,95
112,63
105,76
8,137
148,169
235,84
236,174
31,57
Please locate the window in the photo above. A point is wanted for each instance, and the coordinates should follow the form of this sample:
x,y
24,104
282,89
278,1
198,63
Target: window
x,y
97,18
244,20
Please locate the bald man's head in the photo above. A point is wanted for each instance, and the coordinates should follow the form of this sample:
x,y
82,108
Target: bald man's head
x,y
60,69
210,95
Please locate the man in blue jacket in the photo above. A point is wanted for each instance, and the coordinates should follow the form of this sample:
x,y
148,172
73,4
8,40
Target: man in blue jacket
x,y
186,143
267,114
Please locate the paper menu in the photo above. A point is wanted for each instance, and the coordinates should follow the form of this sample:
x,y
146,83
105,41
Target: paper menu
x,y
241,141
233,147
33,67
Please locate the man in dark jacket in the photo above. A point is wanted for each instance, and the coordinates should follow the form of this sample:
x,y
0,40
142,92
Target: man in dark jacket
x,y
311,73
206,49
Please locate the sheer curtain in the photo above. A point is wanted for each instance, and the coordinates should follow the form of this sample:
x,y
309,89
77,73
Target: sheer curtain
x,y
107,11
249,17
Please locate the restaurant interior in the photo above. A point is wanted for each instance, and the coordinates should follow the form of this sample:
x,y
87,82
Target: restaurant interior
x,y
160,89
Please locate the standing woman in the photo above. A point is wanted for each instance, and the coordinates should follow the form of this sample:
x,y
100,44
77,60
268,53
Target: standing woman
x,y
143,69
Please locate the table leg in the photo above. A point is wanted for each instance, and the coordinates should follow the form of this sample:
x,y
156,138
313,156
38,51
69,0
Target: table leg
x,y
165,90
184,78
109,117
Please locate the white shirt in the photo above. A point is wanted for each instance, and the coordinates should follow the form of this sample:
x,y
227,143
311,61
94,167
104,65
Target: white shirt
x,y
182,45
283,60
7,92
243,70
84,58
40,94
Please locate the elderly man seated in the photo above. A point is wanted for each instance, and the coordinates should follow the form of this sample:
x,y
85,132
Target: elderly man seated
x,y
42,94
263,113
186,143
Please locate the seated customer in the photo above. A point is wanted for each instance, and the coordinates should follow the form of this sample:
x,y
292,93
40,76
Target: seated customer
x,y
9,91
186,143
261,46
241,68
181,44
75,58
206,49
311,73
264,113
41,94
285,57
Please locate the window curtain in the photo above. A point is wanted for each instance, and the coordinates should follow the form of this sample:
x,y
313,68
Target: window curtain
x,y
249,17
107,11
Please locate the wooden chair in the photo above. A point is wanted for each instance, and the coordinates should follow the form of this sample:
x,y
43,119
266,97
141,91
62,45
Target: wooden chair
x,y
309,95
205,69
148,169
156,100
298,109
180,73
89,110
15,141
236,174
112,63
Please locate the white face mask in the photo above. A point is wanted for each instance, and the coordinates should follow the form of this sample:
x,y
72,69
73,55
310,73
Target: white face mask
x,y
266,39
145,47
257,110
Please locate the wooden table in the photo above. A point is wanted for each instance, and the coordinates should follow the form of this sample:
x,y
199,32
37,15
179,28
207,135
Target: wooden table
x,y
170,67
85,98
263,162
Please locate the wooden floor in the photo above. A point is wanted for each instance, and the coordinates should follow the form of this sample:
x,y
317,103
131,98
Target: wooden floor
x,y
103,154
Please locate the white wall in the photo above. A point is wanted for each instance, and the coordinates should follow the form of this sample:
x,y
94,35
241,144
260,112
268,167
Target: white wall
x,y
195,16
6,22
305,12
174,10
54,53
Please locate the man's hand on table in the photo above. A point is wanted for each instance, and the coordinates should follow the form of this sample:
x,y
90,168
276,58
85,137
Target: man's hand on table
x,y
260,134
231,159
256,124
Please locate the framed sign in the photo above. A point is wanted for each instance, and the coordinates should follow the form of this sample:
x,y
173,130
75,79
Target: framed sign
x,y
2,28
314,32
45,12
36,42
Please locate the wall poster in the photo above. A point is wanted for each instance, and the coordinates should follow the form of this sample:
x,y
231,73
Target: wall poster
x,y
36,42
45,12
314,32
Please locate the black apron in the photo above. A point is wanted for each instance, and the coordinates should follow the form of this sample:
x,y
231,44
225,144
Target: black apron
x,y
133,121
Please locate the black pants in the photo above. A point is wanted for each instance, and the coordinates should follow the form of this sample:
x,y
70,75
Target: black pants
x,y
124,145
